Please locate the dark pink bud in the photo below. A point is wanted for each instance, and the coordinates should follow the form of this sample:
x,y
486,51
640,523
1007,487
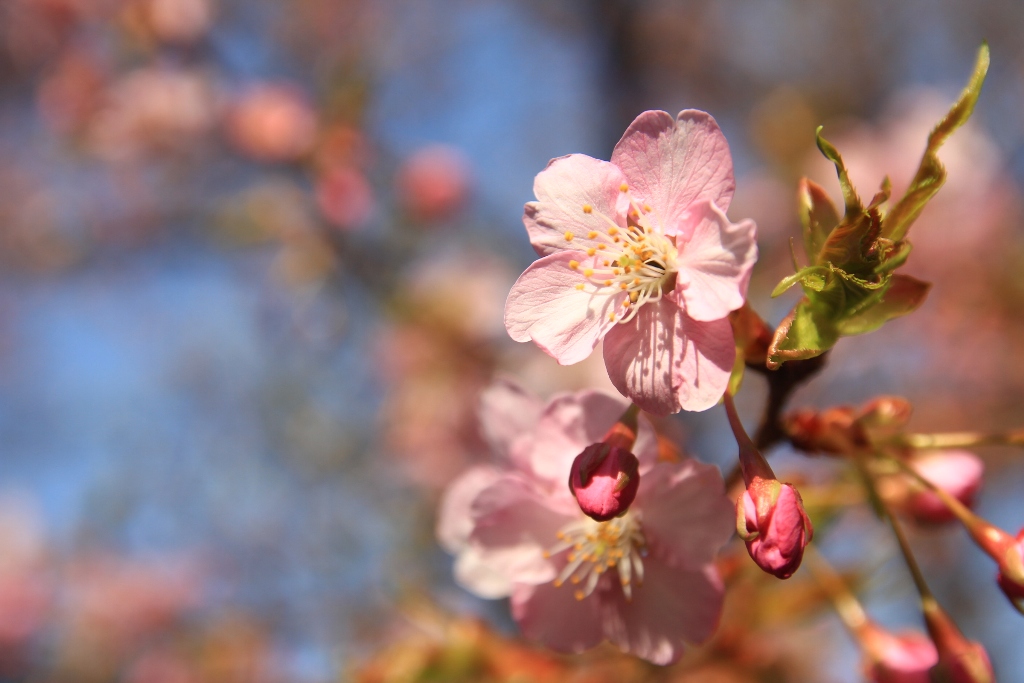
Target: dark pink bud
x,y
966,664
1011,573
772,522
898,658
958,473
604,480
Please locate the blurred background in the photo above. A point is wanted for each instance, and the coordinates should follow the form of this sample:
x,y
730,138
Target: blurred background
x,y
253,261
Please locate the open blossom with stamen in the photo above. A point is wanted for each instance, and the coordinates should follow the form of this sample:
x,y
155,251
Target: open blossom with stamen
x,y
644,581
638,251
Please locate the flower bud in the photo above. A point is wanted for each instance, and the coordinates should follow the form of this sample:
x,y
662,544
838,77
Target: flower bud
x,y
1011,573
604,479
960,660
958,473
830,431
966,664
884,417
897,658
772,521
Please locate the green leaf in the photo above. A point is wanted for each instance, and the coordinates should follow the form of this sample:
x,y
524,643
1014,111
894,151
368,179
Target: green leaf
x,y
811,277
736,376
903,295
930,173
805,333
817,215
853,204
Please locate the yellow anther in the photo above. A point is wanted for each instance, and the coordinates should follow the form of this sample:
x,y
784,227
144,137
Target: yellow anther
x,y
613,230
636,281
575,579
579,286
568,236
607,283
623,286
545,554
602,246
591,251
558,583
587,208
634,295
611,317
615,239
623,187
574,264
606,262
647,208
579,595
592,234
588,272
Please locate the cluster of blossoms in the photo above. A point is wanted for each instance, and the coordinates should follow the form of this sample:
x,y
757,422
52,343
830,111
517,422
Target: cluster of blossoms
x,y
595,537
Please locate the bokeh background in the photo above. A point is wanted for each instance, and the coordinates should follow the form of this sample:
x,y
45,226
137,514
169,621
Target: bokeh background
x,y
253,259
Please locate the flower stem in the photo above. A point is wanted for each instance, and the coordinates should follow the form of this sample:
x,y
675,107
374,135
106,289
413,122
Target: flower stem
x,y
959,440
752,462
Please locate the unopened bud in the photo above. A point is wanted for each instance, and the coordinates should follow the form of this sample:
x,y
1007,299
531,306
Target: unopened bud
x,y
967,664
830,431
960,660
897,658
958,473
771,520
604,479
1011,573
884,417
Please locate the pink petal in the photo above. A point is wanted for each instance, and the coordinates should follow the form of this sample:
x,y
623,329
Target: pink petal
x,y
715,263
673,607
544,306
666,362
554,617
670,164
474,574
514,524
686,516
570,423
508,412
454,523
562,190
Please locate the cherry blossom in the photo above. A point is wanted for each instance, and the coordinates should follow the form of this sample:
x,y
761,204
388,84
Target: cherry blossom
x,y
644,580
638,251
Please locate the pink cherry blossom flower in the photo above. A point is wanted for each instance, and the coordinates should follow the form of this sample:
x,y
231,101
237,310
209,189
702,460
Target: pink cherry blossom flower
x,y
644,581
638,251
897,657
958,473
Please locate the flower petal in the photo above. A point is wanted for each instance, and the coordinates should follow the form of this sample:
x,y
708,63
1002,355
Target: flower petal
x,y
554,617
672,163
507,414
513,525
674,606
454,523
687,517
715,263
666,362
562,189
545,306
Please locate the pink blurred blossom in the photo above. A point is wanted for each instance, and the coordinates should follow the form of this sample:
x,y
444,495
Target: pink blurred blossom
x,y
897,657
272,122
153,110
638,252
177,21
433,182
345,197
644,581
959,473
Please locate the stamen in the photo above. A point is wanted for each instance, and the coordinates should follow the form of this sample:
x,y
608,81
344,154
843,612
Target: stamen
x,y
587,208
568,236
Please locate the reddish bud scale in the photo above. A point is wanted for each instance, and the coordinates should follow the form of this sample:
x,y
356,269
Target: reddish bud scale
x,y
960,660
1011,573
